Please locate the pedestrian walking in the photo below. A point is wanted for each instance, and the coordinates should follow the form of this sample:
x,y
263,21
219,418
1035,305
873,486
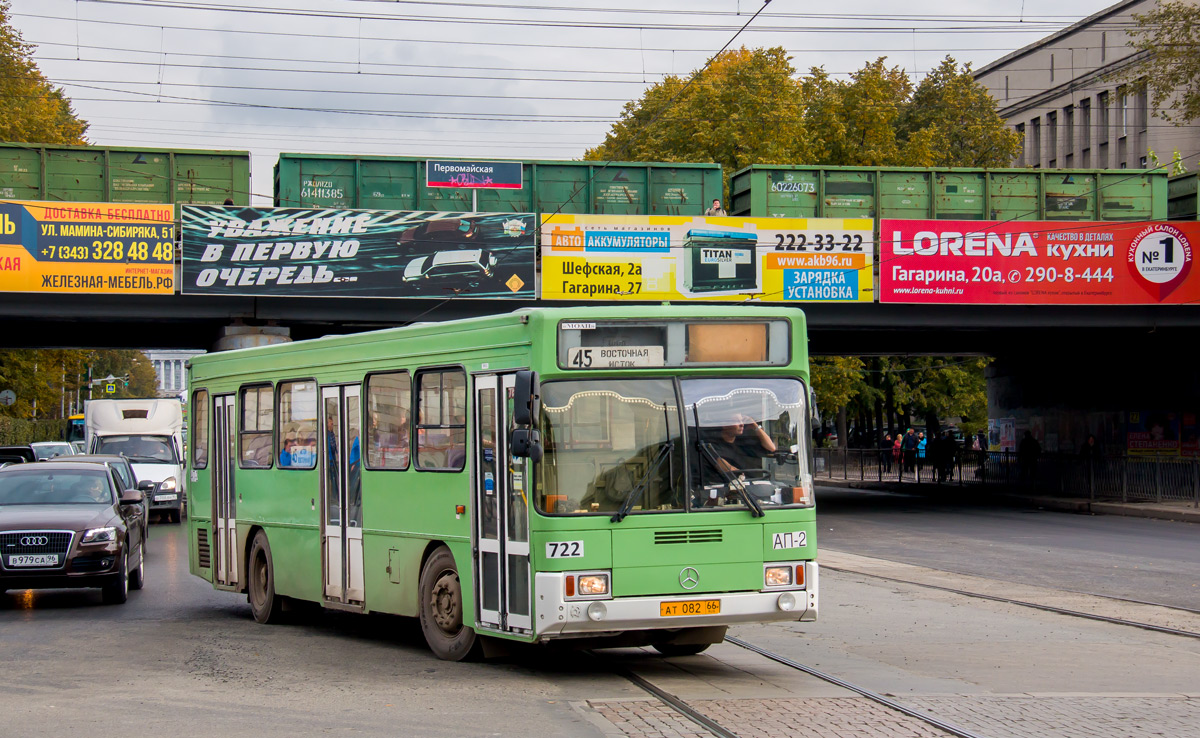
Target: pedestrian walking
x,y
910,451
922,446
1027,457
885,452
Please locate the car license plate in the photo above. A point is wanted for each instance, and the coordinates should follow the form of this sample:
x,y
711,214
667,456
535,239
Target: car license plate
x,y
34,560
165,498
692,607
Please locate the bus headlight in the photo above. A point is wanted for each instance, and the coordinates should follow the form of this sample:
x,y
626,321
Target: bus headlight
x,y
786,602
597,611
593,585
777,576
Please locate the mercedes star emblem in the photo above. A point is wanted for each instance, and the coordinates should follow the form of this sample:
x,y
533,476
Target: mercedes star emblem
x,y
689,578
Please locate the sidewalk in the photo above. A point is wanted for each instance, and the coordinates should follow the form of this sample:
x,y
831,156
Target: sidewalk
x,y
1179,510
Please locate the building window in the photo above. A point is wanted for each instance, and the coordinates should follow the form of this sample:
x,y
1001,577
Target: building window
x,y
258,415
1069,130
1143,107
1035,150
1123,111
1052,67
1021,156
1085,124
1102,105
1103,46
1006,88
1052,140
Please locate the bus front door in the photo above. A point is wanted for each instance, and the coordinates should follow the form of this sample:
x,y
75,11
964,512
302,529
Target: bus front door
x,y
341,495
502,573
224,498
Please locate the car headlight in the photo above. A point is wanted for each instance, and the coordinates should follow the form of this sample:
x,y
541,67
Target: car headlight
x,y
167,485
100,535
777,576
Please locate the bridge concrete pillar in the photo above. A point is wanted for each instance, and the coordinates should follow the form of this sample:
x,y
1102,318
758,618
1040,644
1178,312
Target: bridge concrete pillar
x,y
238,336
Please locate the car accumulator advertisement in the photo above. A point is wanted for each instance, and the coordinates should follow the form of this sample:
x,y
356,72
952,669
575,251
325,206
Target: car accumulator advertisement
x,y
292,252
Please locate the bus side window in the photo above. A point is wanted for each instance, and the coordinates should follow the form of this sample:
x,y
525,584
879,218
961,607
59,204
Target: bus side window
x,y
389,397
199,432
441,419
297,425
258,419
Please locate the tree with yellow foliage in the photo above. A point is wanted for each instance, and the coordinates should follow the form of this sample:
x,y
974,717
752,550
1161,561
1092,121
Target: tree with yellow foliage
x,y
35,111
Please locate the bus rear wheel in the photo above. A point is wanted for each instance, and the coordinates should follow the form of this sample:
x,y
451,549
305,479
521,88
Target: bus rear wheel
x,y
441,609
265,605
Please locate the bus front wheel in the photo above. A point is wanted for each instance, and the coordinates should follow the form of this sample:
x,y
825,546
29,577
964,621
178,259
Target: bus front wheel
x,y
265,605
442,609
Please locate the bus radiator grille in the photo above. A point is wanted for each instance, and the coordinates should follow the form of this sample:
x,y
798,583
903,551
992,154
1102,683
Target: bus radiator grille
x,y
687,536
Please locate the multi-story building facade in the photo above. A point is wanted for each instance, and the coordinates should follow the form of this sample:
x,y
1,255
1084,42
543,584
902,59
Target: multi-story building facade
x,y
1066,94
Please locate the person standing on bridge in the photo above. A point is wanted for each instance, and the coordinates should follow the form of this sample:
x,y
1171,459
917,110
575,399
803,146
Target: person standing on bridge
x,y
885,452
716,208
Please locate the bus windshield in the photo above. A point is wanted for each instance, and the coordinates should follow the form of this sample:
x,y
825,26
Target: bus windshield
x,y
630,445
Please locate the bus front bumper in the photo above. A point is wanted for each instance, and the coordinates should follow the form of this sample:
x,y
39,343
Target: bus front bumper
x,y
554,615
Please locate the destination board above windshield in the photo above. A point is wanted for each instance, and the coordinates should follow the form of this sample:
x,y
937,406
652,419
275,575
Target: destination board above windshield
x,y
644,344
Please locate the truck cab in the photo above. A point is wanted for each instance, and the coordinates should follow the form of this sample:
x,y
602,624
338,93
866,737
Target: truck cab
x,y
148,432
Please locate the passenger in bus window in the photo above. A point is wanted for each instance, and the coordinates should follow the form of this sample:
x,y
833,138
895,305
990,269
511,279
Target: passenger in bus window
x,y
285,454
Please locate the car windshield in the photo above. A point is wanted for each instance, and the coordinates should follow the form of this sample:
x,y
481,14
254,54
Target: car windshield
x,y
22,486
154,449
50,450
630,446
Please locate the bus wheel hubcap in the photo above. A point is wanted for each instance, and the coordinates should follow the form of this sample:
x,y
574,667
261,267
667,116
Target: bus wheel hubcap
x,y
447,603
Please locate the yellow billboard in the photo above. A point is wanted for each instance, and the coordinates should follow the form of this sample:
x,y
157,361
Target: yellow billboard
x,y
84,247
730,259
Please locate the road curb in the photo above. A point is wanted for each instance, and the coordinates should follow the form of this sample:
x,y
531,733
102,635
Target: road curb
x,y
1181,512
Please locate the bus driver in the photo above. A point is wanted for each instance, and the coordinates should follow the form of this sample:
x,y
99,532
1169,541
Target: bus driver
x,y
737,450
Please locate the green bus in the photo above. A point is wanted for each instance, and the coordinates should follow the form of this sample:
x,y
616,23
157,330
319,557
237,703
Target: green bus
x,y
635,475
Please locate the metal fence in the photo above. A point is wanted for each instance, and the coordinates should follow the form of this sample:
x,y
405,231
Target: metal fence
x,y
1123,478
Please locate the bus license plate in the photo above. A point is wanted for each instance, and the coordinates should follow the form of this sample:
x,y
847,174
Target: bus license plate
x,y
41,560
693,607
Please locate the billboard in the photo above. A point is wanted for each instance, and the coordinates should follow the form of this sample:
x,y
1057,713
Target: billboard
x,y
482,175
289,252
1152,433
731,259
1038,263
86,247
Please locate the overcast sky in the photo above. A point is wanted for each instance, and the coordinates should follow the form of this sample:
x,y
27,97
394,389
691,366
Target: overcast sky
x,y
458,78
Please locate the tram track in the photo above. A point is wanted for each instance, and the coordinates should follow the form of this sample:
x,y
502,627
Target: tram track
x,y
682,707
1040,606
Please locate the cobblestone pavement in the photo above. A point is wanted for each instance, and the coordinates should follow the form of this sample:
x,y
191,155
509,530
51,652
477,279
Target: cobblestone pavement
x,y
995,716
818,717
1068,716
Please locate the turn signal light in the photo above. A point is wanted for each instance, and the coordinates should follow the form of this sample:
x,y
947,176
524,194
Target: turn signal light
x,y
799,575
569,585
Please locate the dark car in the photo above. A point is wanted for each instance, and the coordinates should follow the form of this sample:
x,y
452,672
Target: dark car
x,y
70,525
25,452
124,469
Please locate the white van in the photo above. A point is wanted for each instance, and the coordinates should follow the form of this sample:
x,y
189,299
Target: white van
x,y
149,433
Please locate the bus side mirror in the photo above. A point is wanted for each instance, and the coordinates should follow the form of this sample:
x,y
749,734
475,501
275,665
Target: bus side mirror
x,y
525,397
813,408
526,444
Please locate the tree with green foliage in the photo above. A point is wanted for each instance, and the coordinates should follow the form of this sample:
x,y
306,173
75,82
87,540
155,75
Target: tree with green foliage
x,y
1169,37
48,383
35,111
744,109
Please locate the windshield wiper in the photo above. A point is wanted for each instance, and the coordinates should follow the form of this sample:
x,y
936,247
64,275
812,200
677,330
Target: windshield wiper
x,y
731,481
664,453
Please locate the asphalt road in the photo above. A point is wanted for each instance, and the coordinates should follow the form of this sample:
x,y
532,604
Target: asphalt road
x,y
1150,560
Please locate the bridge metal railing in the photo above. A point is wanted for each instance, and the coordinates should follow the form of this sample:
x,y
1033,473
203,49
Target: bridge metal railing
x,y
1112,478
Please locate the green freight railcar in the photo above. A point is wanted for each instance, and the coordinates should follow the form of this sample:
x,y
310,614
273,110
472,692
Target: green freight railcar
x,y
398,183
52,172
949,194
1182,201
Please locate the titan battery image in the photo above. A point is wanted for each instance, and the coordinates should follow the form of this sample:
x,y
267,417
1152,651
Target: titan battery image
x,y
720,261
